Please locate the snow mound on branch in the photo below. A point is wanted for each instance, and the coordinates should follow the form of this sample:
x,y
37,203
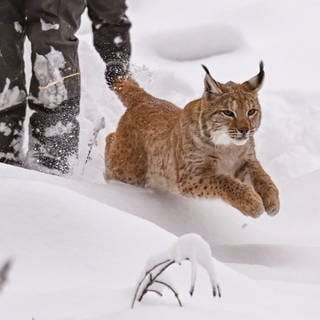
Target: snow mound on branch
x,y
190,247
194,248
198,42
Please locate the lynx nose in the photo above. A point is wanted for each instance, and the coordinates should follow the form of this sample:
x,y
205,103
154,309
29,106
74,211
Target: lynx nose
x,y
243,131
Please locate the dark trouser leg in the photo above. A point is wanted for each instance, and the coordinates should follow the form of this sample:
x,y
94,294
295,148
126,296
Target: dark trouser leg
x,y
55,83
12,81
111,35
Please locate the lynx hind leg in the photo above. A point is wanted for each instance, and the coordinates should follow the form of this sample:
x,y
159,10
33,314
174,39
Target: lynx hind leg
x,y
124,161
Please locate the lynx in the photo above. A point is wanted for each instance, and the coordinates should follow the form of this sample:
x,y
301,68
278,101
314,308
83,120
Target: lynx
x,y
204,150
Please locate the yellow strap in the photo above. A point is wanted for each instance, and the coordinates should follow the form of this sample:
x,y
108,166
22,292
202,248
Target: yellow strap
x,y
60,80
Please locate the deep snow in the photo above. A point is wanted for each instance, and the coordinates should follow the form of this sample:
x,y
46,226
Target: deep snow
x,y
80,244
78,258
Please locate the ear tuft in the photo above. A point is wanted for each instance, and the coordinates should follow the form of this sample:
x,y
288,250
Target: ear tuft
x,y
261,72
211,87
206,69
255,83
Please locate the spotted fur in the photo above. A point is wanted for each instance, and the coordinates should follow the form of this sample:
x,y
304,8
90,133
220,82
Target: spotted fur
x,y
204,150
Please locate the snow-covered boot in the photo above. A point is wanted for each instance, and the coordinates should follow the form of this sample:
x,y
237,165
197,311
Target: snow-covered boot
x,y
53,139
111,36
11,134
55,85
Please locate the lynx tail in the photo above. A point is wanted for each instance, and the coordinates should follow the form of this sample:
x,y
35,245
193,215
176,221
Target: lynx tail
x,y
128,91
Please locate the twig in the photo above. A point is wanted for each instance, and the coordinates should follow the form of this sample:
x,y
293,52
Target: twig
x,y
154,278
141,281
4,271
99,126
169,287
53,83
156,291
215,291
190,247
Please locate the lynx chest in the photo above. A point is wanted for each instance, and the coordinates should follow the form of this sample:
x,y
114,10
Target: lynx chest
x,y
229,160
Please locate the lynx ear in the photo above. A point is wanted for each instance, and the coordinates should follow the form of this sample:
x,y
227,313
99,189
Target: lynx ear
x,y
211,86
255,83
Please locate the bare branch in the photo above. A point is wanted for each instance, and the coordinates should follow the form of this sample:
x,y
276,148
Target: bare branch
x,y
142,280
216,290
170,288
193,276
190,247
4,271
191,290
94,140
156,291
154,278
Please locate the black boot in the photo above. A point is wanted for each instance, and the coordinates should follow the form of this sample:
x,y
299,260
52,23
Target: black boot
x,y
11,134
111,36
54,139
12,83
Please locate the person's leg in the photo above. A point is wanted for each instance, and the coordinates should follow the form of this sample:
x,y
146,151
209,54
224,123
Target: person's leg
x,y
12,80
55,83
111,36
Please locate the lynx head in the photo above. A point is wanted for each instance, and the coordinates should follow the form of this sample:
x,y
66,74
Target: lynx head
x,y
230,112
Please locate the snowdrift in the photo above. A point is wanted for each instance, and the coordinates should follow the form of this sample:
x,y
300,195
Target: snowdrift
x,y
77,258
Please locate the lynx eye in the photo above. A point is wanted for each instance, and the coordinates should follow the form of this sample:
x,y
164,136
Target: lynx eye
x,y
228,113
251,112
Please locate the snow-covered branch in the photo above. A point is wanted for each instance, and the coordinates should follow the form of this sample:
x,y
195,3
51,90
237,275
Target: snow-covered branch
x,y
4,271
99,125
189,247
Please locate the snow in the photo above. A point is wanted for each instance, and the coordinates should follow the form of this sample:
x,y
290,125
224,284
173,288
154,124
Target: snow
x,y
16,143
47,70
58,129
18,27
197,250
78,257
46,26
195,43
79,244
7,155
10,96
5,129
98,26
190,247
117,40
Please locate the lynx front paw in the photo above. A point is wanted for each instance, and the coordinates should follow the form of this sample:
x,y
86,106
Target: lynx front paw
x,y
271,202
255,209
252,204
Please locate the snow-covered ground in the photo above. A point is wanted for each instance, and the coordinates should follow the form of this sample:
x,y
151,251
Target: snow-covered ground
x,y
79,244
